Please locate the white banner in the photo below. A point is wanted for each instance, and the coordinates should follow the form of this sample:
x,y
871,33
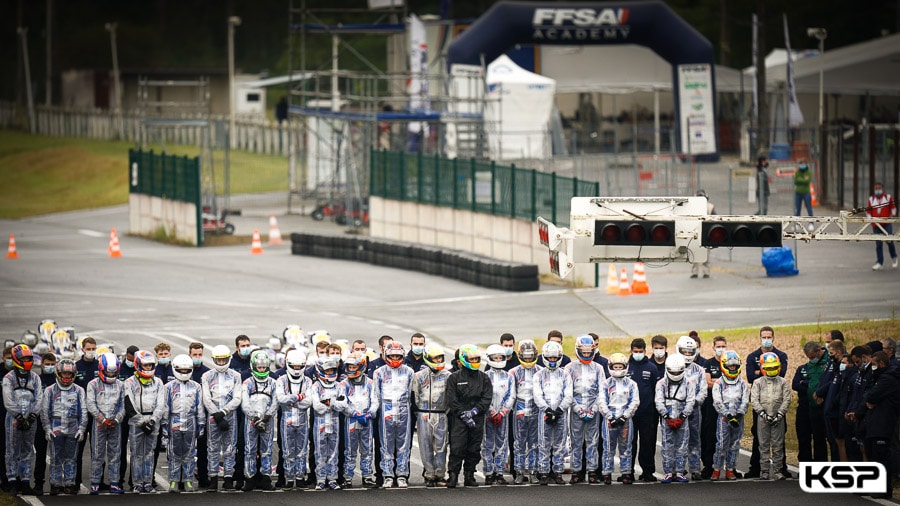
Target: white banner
x,y
418,70
695,94
795,116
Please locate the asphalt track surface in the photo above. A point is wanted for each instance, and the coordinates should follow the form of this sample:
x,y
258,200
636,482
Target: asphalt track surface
x,y
158,293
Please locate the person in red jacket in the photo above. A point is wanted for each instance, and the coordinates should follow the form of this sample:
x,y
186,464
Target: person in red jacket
x,y
881,205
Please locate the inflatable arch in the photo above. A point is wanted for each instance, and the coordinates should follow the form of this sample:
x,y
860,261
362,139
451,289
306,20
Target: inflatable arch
x,y
648,23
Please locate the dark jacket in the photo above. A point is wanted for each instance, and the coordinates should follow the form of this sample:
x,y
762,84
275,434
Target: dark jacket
x,y
848,384
645,374
197,375
417,364
752,368
831,368
86,371
832,396
881,419
801,386
467,389
511,362
375,364
239,363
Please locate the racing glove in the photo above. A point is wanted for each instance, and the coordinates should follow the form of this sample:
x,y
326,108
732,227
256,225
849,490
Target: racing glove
x,y
148,426
79,436
734,422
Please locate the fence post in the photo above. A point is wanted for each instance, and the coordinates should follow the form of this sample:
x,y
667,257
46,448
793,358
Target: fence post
x,y
197,200
855,166
455,184
553,192
872,156
437,170
419,177
512,191
385,171
896,161
493,192
533,194
472,164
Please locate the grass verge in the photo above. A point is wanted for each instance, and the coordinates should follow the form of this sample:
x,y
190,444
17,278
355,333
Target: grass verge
x,y
41,174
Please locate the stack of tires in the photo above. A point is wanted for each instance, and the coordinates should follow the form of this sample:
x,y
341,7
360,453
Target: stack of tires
x,y
467,267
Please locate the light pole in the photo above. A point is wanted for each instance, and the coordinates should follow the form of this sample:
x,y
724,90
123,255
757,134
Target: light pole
x,y
233,21
821,34
120,126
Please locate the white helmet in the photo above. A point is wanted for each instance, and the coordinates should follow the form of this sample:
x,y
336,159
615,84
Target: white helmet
x,y
618,359
675,366
494,351
687,347
295,363
274,343
279,360
182,367
293,335
221,356
551,349
320,335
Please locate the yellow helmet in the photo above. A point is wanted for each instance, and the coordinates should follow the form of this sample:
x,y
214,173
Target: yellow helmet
x,y
770,364
527,353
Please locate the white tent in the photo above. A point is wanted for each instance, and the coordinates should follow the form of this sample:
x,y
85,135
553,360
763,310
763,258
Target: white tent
x,y
619,69
518,111
869,67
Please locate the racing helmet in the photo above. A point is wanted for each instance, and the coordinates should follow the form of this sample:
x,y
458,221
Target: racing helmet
x,y
496,356
618,359
65,373
294,364
675,366
551,350
182,367
393,354
357,361
108,367
731,366
144,366
259,365
29,339
221,357
527,353
293,335
320,335
433,356
22,359
470,356
687,347
770,364
585,348
327,370
274,343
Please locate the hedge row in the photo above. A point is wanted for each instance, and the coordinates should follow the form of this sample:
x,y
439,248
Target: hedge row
x,y
454,264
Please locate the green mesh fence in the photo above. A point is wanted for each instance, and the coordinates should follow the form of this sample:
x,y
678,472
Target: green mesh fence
x,y
476,185
164,176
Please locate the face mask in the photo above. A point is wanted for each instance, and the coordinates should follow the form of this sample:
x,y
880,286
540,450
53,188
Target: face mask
x,y
843,367
637,356
803,167
245,352
509,352
323,356
719,351
767,343
90,355
417,350
8,363
197,361
659,352
874,367
879,192
129,363
165,361
49,369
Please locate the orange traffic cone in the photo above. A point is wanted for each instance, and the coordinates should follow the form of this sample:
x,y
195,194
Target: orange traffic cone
x,y
256,246
639,284
623,284
812,194
274,233
114,251
612,280
11,252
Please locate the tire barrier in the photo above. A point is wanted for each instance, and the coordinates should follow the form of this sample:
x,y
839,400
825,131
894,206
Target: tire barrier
x,y
454,264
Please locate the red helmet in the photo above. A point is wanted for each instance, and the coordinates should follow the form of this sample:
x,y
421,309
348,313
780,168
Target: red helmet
x,y
142,359
22,357
393,354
